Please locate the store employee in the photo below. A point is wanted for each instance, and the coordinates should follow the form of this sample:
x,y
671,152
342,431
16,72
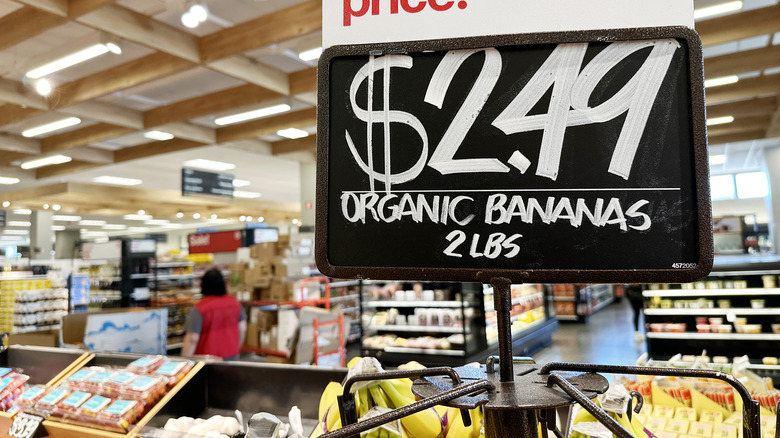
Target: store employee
x,y
216,325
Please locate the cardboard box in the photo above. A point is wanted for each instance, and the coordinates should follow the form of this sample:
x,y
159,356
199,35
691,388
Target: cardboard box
x,y
291,267
283,291
46,338
264,251
266,320
327,336
252,335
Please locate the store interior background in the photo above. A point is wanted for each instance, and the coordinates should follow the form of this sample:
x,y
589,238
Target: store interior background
x,y
144,113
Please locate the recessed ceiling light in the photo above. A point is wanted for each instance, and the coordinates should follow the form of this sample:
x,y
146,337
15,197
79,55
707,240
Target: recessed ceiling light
x,y
717,9
311,54
137,217
114,227
65,218
58,227
114,48
158,135
247,195
201,163
261,219
213,216
292,133
240,183
196,215
189,20
141,212
22,211
179,215
249,218
295,221
43,87
51,127
16,232
725,80
157,222
5,180
18,224
92,223
45,206
717,159
6,203
67,61
720,120
117,181
56,207
242,218
250,115
200,12
46,161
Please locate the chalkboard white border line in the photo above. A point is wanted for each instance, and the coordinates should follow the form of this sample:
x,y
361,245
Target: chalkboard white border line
x,y
634,189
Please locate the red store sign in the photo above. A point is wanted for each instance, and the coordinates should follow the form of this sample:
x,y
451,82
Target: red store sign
x,y
222,241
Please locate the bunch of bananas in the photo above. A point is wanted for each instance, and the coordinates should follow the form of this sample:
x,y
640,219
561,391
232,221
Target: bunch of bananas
x,y
383,395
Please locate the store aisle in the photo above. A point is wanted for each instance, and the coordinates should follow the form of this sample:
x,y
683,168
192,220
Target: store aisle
x,y
607,338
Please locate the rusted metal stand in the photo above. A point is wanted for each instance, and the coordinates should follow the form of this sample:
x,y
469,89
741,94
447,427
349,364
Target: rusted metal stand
x,y
522,394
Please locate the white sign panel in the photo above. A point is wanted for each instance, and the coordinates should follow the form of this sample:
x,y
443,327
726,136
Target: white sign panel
x,y
374,21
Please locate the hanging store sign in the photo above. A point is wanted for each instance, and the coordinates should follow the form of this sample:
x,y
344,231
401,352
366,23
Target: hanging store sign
x,y
559,157
374,21
222,241
198,182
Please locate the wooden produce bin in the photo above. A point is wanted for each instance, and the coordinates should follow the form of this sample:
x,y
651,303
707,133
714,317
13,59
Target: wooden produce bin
x,y
56,429
45,366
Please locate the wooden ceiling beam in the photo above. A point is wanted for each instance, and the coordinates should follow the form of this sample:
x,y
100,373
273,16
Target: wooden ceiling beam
x,y
143,30
15,92
91,154
740,25
137,71
744,89
737,137
83,136
17,143
56,7
10,113
744,108
8,157
249,70
64,169
743,124
15,172
25,23
742,62
191,131
285,24
154,148
304,81
208,104
77,8
106,113
294,145
270,125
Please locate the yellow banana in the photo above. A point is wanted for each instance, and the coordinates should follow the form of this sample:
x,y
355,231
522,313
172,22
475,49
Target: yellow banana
x,y
333,416
379,397
424,424
365,404
353,361
329,396
404,386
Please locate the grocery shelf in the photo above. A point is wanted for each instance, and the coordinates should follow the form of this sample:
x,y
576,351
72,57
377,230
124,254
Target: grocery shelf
x,y
603,304
716,336
489,307
172,265
136,276
415,328
516,317
344,297
517,333
345,283
567,317
687,293
431,351
434,304
175,277
564,299
715,311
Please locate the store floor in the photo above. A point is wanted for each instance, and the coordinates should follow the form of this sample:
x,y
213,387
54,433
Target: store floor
x,y
607,338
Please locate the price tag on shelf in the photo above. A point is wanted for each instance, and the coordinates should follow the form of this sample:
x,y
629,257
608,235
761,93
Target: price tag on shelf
x,y
26,426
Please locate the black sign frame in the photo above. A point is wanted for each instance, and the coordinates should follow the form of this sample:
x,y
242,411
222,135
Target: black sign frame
x,y
699,160
210,189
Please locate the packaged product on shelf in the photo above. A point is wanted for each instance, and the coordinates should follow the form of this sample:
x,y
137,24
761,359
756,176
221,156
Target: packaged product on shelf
x,y
174,370
78,379
11,387
93,406
68,408
119,415
118,383
96,382
146,364
146,389
49,401
31,396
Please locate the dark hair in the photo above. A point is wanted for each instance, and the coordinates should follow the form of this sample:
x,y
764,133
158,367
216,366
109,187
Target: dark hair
x,y
213,283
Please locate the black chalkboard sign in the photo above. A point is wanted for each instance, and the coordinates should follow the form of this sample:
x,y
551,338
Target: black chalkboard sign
x,y
547,157
198,182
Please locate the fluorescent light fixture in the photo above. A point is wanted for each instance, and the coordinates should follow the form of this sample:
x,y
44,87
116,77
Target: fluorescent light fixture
x,y
752,185
23,211
43,87
201,163
722,187
117,181
254,114
114,48
5,180
189,20
158,135
199,12
68,61
137,229
12,238
240,183
157,222
58,227
16,232
114,227
717,159
292,133
65,218
311,54
51,127
725,80
720,120
717,9
92,223
18,224
137,217
246,195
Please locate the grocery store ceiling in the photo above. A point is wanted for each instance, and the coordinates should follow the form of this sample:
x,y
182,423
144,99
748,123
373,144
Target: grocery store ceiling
x,y
244,56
